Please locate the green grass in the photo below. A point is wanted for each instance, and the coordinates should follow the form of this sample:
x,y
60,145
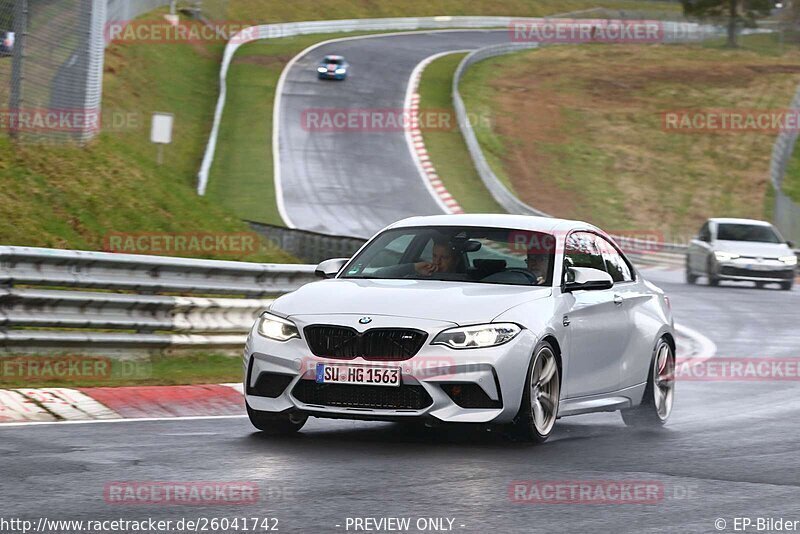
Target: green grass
x,y
791,182
476,91
445,146
66,196
72,197
588,142
161,370
275,11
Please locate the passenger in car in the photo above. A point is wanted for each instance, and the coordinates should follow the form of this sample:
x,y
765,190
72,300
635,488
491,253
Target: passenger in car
x,y
539,265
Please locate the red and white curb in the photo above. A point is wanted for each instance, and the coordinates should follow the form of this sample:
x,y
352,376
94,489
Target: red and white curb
x,y
417,145
26,405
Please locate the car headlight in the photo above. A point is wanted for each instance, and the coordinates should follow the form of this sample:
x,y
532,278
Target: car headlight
x,y
339,71
789,260
322,69
476,337
725,256
277,328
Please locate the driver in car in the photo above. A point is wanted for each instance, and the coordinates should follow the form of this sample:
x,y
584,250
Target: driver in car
x,y
444,260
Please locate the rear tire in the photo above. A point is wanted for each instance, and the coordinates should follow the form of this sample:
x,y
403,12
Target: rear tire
x,y
760,285
659,394
787,286
540,399
276,424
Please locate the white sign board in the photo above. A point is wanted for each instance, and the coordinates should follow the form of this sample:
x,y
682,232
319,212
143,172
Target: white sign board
x,y
161,128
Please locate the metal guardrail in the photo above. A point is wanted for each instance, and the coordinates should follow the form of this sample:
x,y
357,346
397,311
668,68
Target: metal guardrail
x,y
63,298
786,212
312,247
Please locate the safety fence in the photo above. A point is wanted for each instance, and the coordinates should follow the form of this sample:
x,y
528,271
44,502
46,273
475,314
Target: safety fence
x,y
51,79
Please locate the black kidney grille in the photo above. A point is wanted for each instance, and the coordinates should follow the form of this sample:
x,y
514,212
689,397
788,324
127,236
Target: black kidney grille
x,y
385,344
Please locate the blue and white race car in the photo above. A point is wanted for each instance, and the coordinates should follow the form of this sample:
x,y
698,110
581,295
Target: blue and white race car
x,y
332,68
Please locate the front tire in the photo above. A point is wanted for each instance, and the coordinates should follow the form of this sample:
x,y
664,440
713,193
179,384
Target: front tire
x,y
691,278
659,394
276,424
713,281
540,399
787,286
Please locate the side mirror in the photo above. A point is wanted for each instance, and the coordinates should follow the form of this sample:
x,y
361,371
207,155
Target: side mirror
x,y
790,243
586,278
330,268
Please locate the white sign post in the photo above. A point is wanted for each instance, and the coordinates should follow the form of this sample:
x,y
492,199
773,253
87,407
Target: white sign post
x,y
161,132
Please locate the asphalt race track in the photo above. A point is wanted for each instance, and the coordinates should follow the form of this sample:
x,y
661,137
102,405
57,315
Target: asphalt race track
x,y
356,182
729,450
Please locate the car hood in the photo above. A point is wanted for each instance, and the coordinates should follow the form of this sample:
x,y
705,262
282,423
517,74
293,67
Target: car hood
x,y
749,248
460,303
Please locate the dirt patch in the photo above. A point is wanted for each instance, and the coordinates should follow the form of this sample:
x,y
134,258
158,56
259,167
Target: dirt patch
x,y
263,61
533,115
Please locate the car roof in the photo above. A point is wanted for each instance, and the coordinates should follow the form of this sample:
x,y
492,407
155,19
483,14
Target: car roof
x,y
731,220
332,56
495,220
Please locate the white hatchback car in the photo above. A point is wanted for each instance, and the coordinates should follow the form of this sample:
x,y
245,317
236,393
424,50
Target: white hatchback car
x,y
741,250
505,320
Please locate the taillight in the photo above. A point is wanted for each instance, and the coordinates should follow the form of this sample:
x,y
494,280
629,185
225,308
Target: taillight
x,y
669,304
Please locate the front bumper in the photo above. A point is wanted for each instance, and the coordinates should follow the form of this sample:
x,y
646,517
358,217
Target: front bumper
x,y
497,374
331,76
746,269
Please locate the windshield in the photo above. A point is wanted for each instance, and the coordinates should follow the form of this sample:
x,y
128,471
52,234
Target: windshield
x,y
459,254
747,232
334,60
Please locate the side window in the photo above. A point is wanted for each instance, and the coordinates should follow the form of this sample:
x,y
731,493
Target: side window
x,y
616,265
582,251
389,255
705,233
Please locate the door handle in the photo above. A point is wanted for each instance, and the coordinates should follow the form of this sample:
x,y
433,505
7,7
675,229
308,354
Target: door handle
x,y
566,320
618,300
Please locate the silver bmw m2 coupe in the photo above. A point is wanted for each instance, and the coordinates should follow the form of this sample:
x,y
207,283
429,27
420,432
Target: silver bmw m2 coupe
x,y
502,320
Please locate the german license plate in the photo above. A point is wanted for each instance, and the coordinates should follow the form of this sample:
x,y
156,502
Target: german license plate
x,y
357,374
